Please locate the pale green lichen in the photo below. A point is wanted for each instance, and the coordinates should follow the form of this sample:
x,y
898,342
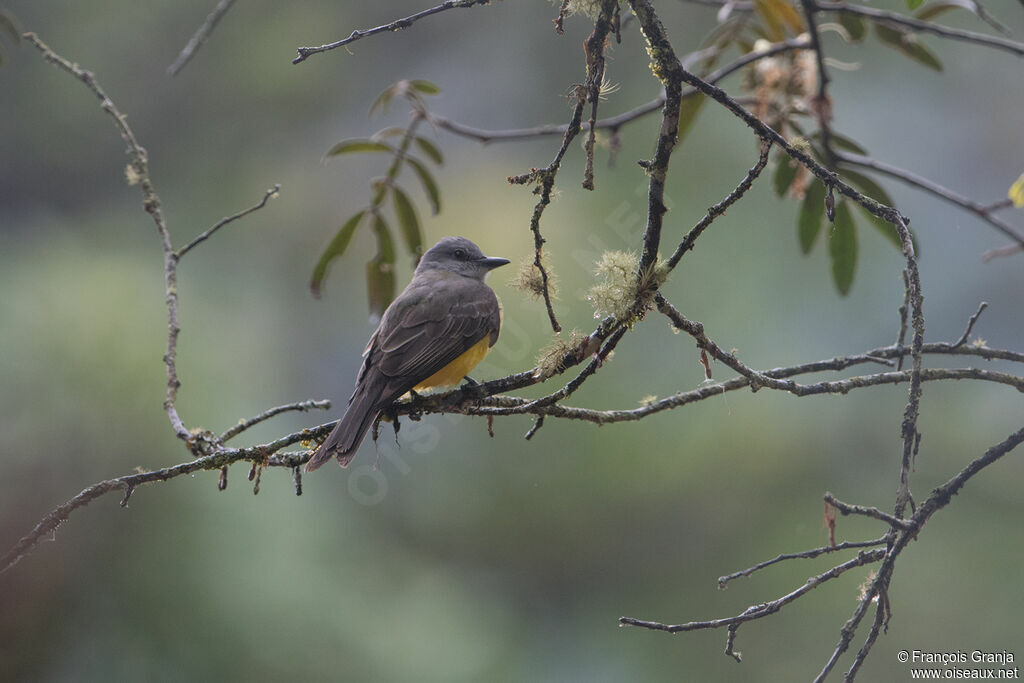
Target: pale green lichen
x,y
551,358
589,8
618,293
529,279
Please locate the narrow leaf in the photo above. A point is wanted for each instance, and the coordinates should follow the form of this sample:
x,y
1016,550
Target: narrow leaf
x,y
811,213
842,247
429,186
872,189
383,100
380,271
914,4
409,222
785,171
688,109
934,9
430,149
908,44
842,142
389,132
854,25
357,145
336,248
425,87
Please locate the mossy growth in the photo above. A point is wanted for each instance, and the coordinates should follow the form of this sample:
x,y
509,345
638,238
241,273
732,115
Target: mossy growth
x,y
529,279
619,293
589,8
551,358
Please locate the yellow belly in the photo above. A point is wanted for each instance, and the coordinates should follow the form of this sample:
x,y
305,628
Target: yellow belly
x,y
451,374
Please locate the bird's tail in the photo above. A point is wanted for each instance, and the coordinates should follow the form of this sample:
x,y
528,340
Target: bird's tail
x,y
346,436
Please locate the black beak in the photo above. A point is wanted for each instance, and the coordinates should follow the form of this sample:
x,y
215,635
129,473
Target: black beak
x,y
492,262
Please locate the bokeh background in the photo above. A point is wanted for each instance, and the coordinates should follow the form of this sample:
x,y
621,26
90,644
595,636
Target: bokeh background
x,y
458,556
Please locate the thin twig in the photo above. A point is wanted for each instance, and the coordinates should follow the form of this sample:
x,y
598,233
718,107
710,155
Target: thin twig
x,y
806,554
720,208
970,324
919,26
874,513
821,104
301,406
406,22
139,166
980,210
271,193
200,36
767,608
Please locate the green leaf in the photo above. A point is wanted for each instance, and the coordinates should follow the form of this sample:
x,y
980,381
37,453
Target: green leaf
x,y
914,4
872,189
429,186
688,109
409,222
380,271
357,145
425,87
811,213
336,248
389,132
854,25
384,98
842,248
842,142
785,171
430,149
908,44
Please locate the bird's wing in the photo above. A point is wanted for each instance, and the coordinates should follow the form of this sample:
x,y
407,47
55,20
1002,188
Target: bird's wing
x,y
424,335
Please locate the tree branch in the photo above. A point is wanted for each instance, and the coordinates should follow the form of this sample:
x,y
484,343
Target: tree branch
x,y
200,36
306,52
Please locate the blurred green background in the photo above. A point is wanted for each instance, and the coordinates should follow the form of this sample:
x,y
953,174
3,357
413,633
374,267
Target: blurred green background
x,y
457,556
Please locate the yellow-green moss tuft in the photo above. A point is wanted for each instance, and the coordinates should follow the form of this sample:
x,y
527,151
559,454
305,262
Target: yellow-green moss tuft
x,y
528,279
550,360
618,293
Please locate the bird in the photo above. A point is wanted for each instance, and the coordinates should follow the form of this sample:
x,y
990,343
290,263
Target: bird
x,y
431,336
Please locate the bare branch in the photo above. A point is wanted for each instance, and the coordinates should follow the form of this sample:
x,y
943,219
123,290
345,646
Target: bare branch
x,y
919,26
301,406
720,208
874,513
806,554
271,193
970,324
139,173
982,211
306,52
200,36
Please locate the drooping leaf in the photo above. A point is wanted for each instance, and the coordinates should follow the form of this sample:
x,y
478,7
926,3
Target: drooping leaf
x,y
380,271
425,87
842,142
854,25
357,145
409,222
429,186
812,211
872,189
778,16
842,248
914,4
382,100
909,45
430,149
785,171
388,132
688,109
339,243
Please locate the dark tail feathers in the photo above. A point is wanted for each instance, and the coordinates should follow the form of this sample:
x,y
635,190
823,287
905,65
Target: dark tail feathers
x,y
348,434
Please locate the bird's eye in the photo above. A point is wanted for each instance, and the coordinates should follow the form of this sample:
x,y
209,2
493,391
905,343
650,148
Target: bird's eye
x,y
460,253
